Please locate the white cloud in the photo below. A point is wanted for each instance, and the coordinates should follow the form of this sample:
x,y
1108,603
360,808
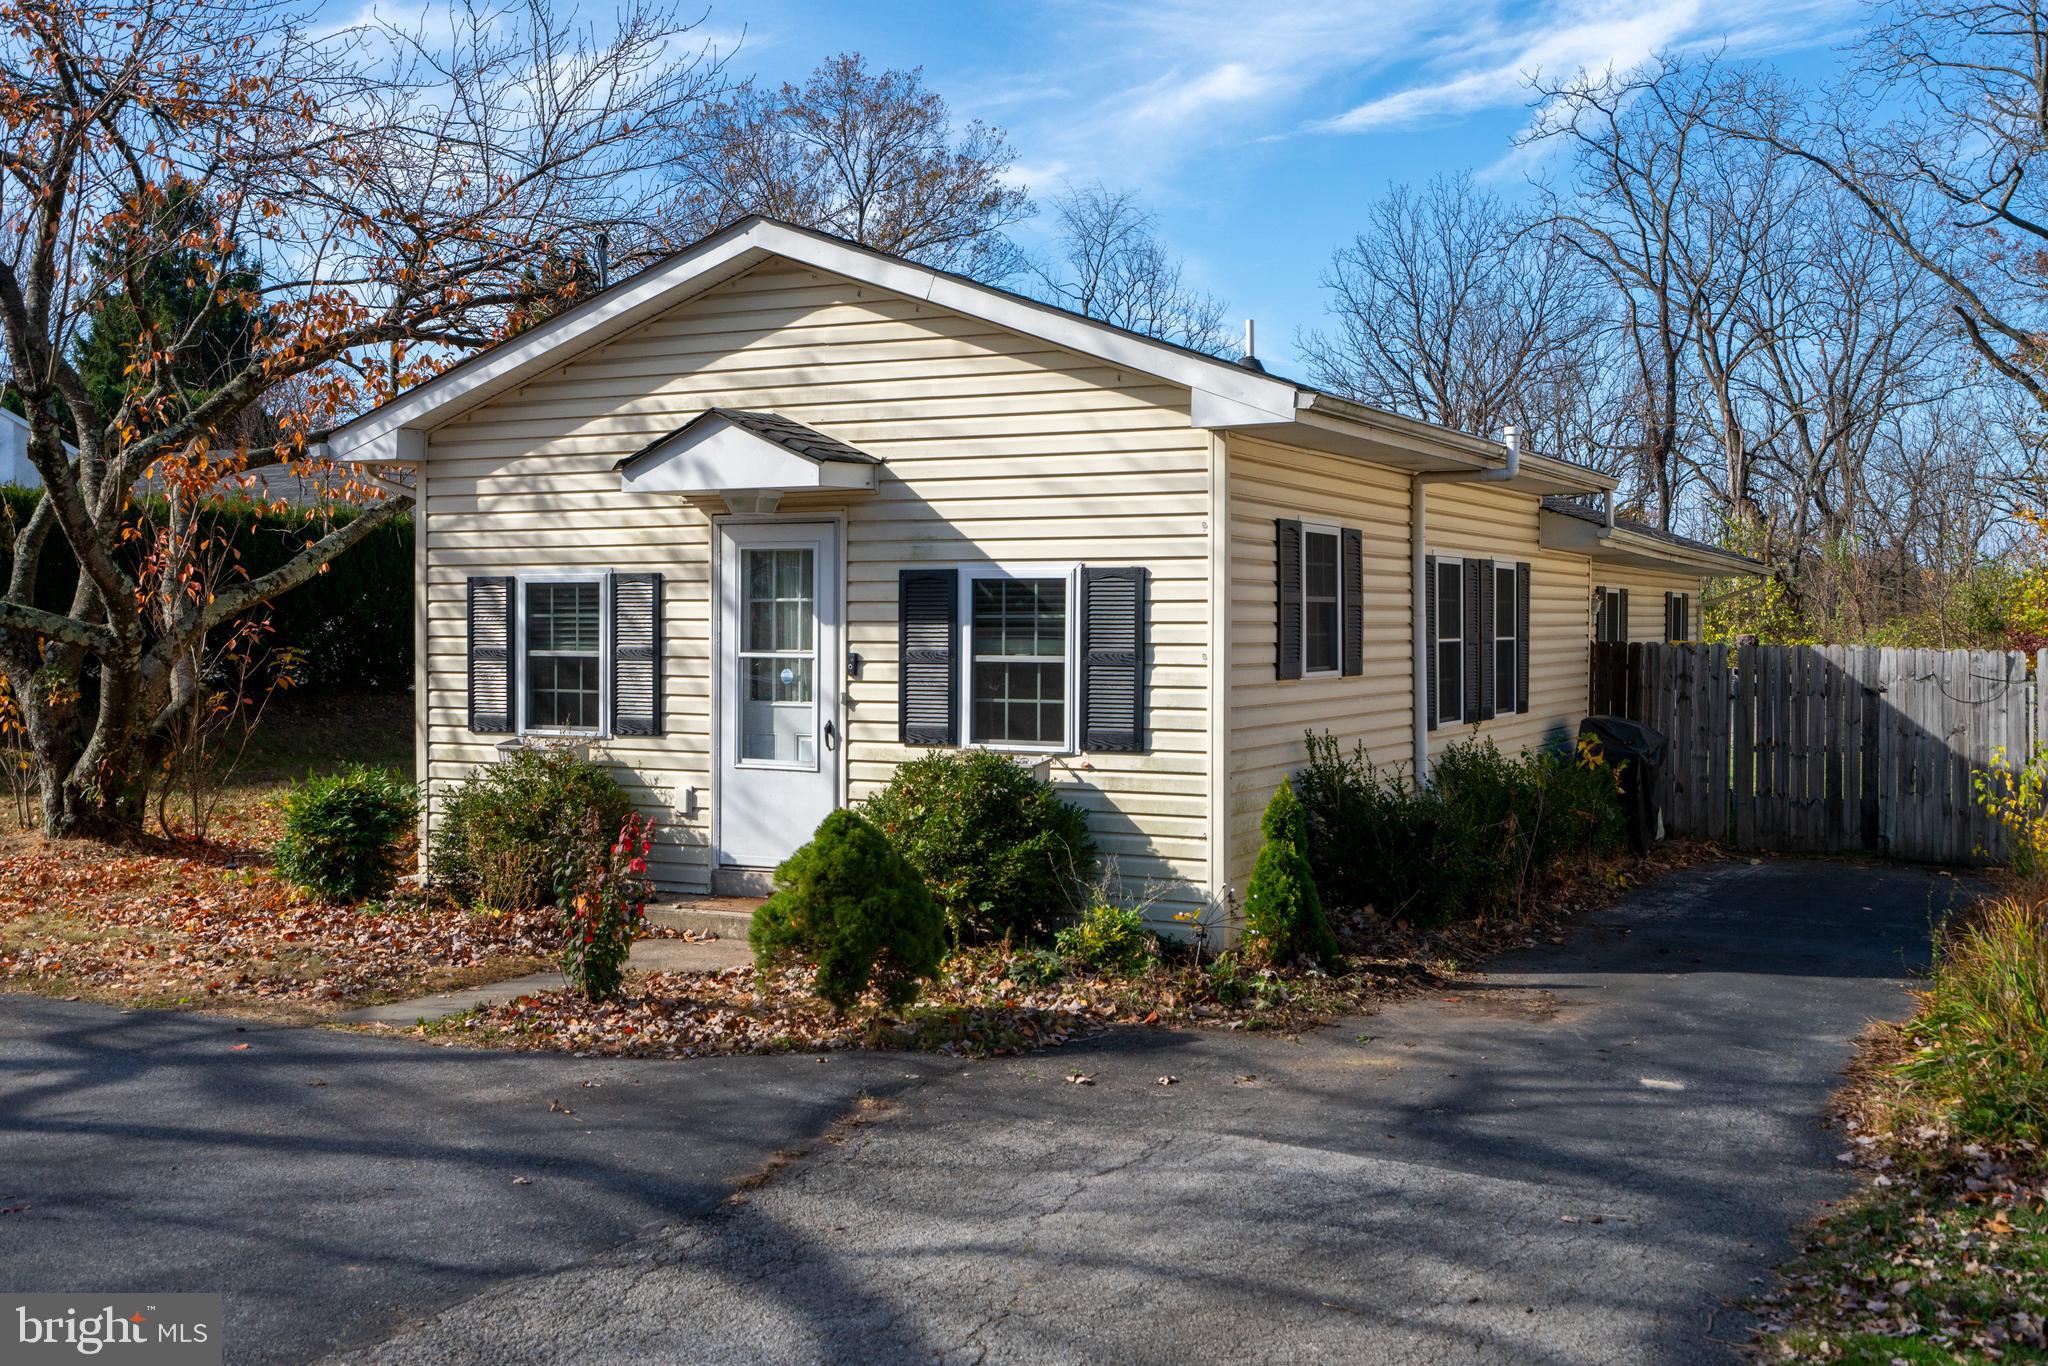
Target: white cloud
x,y
1592,35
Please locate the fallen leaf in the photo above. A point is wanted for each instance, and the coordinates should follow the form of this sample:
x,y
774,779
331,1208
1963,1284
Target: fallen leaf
x,y
522,1180
1169,1081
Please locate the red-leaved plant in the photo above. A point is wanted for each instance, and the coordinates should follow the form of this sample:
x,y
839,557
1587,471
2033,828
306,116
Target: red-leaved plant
x,y
603,893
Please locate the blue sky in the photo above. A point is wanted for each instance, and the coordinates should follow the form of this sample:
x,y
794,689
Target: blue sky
x,y
1258,130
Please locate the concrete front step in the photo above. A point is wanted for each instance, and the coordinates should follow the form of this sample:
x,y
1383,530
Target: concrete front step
x,y
728,917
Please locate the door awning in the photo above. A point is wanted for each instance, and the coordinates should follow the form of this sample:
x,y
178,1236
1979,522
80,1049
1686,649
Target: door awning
x,y
734,451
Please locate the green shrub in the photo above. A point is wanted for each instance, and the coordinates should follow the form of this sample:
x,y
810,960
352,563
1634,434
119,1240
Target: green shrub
x,y
501,835
848,904
603,891
1109,939
341,832
1980,1066
1001,853
1485,830
1283,914
350,628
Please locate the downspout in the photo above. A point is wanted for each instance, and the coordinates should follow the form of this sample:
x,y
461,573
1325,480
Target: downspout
x,y
1418,509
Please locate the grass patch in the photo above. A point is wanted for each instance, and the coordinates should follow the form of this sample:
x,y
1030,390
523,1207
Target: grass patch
x,y
1943,1256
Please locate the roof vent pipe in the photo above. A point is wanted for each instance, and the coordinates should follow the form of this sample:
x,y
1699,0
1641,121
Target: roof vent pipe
x,y
1250,359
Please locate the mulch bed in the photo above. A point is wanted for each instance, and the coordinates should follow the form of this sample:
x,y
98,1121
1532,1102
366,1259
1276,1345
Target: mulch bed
x,y
991,1002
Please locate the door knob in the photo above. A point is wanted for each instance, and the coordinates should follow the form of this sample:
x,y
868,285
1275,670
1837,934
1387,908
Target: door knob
x,y
831,736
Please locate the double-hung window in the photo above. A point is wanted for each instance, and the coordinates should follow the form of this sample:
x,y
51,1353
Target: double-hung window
x,y
1450,639
1477,638
1677,617
562,654
1506,646
1610,615
1019,658
1322,600
574,653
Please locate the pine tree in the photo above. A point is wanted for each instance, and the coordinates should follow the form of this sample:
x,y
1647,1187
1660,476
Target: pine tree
x,y
1283,912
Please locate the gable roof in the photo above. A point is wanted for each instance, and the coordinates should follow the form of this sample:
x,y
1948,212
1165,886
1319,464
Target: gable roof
x,y
791,436
1223,394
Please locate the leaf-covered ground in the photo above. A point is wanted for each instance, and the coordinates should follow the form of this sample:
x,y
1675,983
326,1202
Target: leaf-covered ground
x,y
993,1002
183,923
1941,1257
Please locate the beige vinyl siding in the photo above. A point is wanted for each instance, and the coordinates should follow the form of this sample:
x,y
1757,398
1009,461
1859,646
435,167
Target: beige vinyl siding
x,y
1646,590
1268,716
1502,525
997,449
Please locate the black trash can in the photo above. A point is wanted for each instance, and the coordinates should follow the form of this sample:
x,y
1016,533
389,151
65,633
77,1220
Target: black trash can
x,y
1639,751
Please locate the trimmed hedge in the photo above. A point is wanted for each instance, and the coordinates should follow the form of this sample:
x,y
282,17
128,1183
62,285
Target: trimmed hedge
x,y
1478,837
1003,855
352,625
341,832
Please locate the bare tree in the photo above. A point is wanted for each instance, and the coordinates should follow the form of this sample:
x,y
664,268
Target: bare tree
x,y
1108,263
1452,308
1942,139
402,191
871,158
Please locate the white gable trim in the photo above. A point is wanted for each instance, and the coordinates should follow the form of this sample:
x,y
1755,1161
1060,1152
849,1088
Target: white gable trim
x,y
1223,393
714,456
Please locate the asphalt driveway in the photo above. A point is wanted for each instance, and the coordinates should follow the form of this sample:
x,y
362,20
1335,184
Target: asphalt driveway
x,y
335,1186
1577,1158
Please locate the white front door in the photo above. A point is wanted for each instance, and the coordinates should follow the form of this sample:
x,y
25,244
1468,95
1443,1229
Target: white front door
x,y
778,689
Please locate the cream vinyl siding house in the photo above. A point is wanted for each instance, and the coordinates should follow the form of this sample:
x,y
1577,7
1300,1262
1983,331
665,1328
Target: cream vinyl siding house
x,y
762,522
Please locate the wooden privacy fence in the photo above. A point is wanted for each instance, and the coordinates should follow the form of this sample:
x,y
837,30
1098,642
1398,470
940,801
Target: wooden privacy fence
x,y
1838,747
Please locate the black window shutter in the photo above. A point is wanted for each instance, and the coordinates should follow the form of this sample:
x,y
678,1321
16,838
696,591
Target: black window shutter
x,y
927,676
1487,632
1287,573
1113,659
636,654
1522,637
1429,633
1476,648
1353,654
1621,610
493,601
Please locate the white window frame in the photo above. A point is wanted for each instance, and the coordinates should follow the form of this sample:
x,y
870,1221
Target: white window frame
x,y
1455,715
1602,596
603,579
1336,667
1505,681
1071,660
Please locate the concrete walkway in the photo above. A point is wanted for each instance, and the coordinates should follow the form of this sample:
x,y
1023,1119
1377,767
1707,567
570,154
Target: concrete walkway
x,y
1579,1159
649,955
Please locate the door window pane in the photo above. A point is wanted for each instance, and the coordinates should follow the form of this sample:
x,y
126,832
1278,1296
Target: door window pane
x,y
1319,601
564,674
1019,667
780,613
777,661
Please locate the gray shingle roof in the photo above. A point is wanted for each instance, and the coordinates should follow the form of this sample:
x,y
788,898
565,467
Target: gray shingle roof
x,y
1572,507
792,436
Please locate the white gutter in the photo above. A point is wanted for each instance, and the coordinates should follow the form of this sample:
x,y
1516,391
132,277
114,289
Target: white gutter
x,y
1418,510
